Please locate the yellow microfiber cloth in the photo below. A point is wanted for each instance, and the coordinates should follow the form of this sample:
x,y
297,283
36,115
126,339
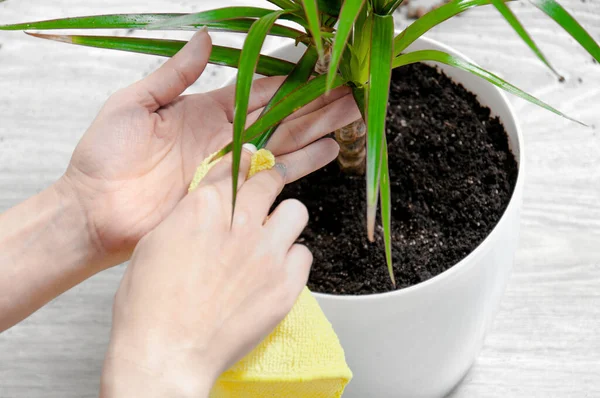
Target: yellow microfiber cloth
x,y
301,358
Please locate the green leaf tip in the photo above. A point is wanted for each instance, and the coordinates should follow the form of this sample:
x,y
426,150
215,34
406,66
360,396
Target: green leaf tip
x,y
514,22
445,58
225,56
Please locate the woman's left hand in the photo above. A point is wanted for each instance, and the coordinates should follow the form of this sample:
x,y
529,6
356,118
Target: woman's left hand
x,y
136,160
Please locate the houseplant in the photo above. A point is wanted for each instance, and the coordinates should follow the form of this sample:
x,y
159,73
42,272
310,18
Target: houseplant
x,y
365,64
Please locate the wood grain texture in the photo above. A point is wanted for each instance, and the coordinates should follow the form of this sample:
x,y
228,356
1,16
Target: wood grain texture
x,y
546,339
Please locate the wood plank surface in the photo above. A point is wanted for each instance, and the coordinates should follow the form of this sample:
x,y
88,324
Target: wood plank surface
x,y
546,338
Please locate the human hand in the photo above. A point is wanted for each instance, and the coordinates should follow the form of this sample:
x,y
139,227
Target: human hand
x,y
136,160
201,290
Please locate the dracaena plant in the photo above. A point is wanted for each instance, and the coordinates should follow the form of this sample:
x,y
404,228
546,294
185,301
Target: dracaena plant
x,y
349,42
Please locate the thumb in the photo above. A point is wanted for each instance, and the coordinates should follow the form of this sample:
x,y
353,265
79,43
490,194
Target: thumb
x,y
174,76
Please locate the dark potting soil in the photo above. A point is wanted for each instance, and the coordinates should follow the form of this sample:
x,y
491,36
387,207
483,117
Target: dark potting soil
x,y
452,175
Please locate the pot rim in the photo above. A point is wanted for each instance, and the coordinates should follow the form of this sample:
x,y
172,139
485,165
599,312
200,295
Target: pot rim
x,y
458,267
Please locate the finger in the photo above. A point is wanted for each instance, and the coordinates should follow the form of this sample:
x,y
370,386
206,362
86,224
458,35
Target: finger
x,y
261,92
178,73
297,133
287,222
308,159
220,174
320,102
259,192
297,262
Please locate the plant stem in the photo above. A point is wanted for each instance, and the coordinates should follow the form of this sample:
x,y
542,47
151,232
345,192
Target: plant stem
x,y
351,138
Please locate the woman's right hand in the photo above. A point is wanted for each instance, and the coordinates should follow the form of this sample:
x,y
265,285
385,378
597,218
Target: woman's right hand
x,y
202,290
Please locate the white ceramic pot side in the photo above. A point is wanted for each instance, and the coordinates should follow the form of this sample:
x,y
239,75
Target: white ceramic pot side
x,y
421,341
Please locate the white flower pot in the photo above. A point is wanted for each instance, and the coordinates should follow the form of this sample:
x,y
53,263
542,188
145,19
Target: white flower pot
x,y
420,341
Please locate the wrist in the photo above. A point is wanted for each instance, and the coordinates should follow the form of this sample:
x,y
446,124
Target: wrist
x,y
45,245
124,376
78,218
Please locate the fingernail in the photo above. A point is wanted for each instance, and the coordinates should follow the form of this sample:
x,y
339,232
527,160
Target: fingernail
x,y
281,169
250,148
204,28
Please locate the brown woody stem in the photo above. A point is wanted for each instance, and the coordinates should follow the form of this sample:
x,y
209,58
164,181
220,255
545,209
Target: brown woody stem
x,y
351,138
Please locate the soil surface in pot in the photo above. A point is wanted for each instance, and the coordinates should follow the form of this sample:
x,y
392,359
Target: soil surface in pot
x,y
452,175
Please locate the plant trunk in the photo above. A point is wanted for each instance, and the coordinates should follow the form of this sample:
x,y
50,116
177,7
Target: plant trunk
x,y
351,138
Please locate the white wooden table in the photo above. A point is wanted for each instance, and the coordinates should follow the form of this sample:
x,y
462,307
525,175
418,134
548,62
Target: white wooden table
x,y
546,339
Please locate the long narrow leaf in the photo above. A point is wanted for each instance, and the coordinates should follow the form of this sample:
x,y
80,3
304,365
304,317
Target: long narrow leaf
x,y
314,23
358,55
432,19
349,14
300,75
392,6
246,68
444,58
112,21
219,14
511,18
386,209
330,7
379,6
219,55
283,4
300,97
380,73
146,21
359,94
569,24
243,26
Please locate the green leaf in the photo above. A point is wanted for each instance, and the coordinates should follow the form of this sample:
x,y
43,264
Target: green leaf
x,y
113,21
146,21
379,6
361,46
350,11
359,94
432,19
386,209
300,75
330,7
219,55
219,14
246,68
569,24
314,23
518,27
300,97
392,6
243,26
380,73
444,58
283,4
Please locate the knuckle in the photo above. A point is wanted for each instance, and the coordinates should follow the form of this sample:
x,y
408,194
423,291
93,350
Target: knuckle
x,y
297,208
241,217
290,132
284,132
181,76
206,196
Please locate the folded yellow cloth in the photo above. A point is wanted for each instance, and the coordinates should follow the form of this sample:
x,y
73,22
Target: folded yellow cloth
x,y
301,358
